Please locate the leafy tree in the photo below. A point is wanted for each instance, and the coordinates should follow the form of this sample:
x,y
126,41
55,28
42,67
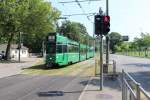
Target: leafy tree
x,y
13,13
74,30
117,48
124,46
115,39
141,43
42,17
26,16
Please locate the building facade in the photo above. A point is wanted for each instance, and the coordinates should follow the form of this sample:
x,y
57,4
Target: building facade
x,y
14,51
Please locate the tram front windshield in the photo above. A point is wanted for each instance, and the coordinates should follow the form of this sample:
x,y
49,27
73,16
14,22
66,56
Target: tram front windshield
x,y
50,48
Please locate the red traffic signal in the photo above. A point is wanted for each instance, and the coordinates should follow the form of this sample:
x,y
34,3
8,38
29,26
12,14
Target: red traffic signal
x,y
106,19
102,24
106,24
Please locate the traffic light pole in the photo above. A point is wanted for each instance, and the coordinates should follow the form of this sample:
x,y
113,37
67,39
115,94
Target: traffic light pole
x,y
101,62
107,7
107,37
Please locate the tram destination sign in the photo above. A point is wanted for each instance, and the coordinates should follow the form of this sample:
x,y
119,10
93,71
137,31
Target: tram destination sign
x,y
51,38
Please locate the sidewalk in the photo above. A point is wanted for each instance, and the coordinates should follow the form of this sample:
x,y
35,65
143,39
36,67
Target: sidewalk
x,y
8,69
111,90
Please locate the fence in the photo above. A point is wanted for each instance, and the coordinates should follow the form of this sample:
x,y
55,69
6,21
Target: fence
x,y
141,53
132,90
108,70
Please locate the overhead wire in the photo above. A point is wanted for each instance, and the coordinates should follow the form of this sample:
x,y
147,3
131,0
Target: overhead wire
x,y
78,1
80,6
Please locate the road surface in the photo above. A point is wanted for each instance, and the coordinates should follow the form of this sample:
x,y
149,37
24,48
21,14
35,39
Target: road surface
x,y
46,87
41,87
14,67
139,68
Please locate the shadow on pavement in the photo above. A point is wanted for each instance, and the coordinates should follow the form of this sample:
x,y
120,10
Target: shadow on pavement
x,y
137,65
42,66
11,61
36,67
108,82
58,93
50,93
143,78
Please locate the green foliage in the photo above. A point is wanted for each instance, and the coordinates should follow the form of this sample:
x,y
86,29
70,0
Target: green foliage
x,y
75,31
34,18
39,23
13,13
117,48
141,43
115,41
124,46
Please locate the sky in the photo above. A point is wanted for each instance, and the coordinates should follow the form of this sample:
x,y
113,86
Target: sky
x,y
127,17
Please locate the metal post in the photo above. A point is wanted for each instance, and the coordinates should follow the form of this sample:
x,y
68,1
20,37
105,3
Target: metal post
x,y
19,47
94,44
126,92
123,92
114,66
43,48
107,38
145,52
107,7
107,52
138,92
101,62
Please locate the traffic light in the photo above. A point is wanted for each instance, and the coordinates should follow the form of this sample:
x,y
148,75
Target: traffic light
x,y
98,24
106,24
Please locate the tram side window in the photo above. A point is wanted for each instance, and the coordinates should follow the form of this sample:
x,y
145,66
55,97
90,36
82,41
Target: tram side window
x,y
59,49
83,50
64,48
91,50
70,48
76,48
73,48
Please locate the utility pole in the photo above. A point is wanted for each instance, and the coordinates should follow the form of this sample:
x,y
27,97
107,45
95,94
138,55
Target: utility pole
x,y
101,53
107,7
107,37
43,48
107,51
19,47
101,62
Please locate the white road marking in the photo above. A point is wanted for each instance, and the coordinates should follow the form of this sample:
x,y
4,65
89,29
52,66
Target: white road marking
x,y
81,96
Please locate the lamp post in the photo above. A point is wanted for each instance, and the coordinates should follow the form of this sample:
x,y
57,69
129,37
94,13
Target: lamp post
x,y
19,47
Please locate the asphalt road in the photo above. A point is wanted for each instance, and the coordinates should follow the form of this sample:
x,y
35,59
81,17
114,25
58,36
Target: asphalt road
x,y
138,68
63,86
41,87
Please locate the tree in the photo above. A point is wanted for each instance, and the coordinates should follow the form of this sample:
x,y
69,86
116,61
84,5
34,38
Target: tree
x,y
115,39
74,30
141,43
26,16
124,46
43,16
12,15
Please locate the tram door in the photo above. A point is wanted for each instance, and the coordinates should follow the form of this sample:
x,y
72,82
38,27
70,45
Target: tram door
x,y
65,56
